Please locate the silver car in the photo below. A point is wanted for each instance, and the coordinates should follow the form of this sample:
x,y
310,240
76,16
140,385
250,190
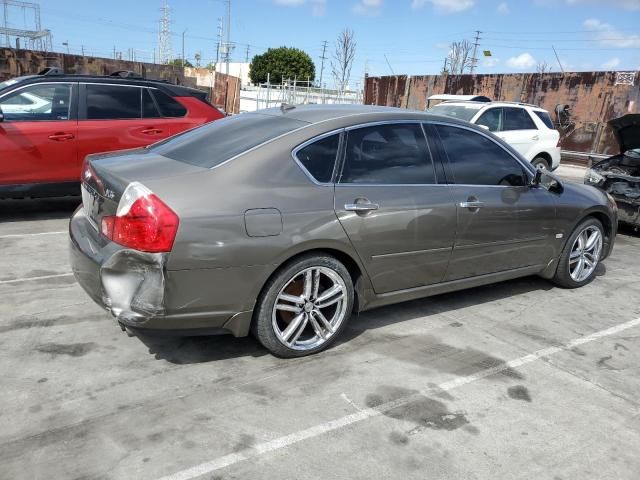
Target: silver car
x,y
285,221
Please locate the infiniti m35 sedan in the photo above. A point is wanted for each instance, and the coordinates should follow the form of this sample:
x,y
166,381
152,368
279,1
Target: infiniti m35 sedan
x,y
285,221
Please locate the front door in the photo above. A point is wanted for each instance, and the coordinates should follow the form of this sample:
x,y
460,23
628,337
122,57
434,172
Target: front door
x,y
503,222
38,135
399,219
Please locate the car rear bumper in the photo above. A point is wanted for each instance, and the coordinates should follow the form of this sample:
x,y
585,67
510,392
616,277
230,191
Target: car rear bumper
x,y
136,288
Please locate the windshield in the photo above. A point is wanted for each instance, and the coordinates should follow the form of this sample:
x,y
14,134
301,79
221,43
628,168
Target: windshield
x,y
463,112
218,141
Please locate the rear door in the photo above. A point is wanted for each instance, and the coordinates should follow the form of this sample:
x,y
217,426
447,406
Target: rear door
x,y
519,131
503,222
116,117
400,220
38,135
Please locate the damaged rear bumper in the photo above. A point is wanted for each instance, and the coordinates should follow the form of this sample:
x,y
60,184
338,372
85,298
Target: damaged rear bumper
x,y
136,288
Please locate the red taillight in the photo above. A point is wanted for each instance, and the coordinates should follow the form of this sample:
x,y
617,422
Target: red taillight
x,y
149,225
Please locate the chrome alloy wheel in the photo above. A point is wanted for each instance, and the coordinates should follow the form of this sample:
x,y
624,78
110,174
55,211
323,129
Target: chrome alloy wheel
x,y
310,308
585,254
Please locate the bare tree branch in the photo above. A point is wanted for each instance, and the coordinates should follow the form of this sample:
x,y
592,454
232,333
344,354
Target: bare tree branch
x,y
342,60
459,58
543,67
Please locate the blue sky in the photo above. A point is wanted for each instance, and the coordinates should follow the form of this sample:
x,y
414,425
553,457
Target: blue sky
x,y
413,34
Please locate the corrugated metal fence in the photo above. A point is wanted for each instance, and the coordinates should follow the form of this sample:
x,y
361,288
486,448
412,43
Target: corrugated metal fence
x,y
592,98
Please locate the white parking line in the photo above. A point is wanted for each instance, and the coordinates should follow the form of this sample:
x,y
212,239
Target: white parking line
x,y
29,279
297,437
18,235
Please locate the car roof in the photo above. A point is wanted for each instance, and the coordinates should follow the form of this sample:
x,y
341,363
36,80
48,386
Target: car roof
x,y
480,105
170,88
322,113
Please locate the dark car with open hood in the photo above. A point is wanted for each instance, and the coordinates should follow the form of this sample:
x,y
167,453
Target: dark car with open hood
x,y
620,175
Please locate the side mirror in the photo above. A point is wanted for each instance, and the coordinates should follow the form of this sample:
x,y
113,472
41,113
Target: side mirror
x,y
484,127
546,180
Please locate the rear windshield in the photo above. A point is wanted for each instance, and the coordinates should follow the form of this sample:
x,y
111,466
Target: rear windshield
x,y
216,142
463,112
546,119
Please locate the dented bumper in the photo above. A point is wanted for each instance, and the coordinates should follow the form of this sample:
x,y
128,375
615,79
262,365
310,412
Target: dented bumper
x,y
136,288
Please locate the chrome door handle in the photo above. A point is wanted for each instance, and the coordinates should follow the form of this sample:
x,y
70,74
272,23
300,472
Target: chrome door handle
x,y
471,204
361,207
535,137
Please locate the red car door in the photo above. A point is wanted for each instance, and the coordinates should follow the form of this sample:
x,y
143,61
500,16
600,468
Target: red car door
x,y
38,137
116,117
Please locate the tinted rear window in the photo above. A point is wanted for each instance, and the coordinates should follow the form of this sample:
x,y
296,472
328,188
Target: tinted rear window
x,y
216,142
546,119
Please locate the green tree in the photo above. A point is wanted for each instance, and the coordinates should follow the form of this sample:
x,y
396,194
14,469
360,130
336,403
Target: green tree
x,y
283,62
177,62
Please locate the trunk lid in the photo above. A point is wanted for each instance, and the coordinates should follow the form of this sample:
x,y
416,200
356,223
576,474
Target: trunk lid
x,y
626,129
105,177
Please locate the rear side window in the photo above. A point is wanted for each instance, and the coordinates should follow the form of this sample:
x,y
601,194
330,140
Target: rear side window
x,y
216,142
149,109
388,154
517,119
168,106
546,119
476,160
112,102
319,157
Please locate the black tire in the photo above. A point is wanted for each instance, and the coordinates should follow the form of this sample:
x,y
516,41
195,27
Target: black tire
x,y
541,163
562,276
262,326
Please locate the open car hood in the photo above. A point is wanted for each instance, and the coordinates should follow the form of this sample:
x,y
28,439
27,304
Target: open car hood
x,y
627,131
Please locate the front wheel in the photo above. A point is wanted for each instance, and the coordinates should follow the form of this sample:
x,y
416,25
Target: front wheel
x,y
304,307
581,254
540,163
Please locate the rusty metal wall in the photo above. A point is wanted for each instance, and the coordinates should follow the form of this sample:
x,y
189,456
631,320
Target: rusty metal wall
x,y
14,63
592,97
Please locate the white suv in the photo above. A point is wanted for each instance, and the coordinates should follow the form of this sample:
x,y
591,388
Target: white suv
x,y
525,127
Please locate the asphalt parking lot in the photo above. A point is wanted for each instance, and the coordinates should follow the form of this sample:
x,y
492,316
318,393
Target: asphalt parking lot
x,y
515,380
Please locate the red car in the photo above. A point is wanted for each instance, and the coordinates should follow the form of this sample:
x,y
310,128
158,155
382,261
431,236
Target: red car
x,y
51,121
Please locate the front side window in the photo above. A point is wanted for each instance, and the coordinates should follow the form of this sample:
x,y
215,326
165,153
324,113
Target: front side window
x,y
38,102
476,160
517,119
388,154
113,102
319,157
492,119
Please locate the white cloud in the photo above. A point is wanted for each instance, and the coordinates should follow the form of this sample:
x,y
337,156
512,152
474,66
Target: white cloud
x,y
318,7
490,62
503,9
611,64
628,4
445,6
367,7
523,61
609,36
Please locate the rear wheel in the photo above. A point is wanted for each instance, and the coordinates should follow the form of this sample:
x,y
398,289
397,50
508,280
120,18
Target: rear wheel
x,y
304,307
540,163
581,254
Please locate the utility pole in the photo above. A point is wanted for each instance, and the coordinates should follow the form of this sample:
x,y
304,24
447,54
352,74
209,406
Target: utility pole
x,y
164,36
389,64
557,58
246,58
183,32
476,43
219,43
323,57
228,37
